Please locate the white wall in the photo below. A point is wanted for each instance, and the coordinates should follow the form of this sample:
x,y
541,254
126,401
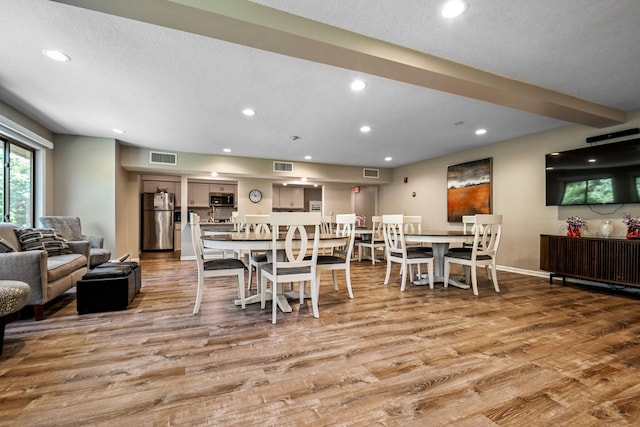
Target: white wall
x,y
518,191
85,184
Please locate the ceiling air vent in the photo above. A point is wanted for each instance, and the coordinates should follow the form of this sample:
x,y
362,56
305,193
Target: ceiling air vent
x,y
163,158
282,167
371,173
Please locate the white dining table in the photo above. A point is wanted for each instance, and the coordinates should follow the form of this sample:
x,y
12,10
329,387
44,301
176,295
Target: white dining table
x,y
440,241
263,242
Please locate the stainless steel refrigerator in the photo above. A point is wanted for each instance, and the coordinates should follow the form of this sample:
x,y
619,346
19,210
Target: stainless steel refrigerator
x,y
157,221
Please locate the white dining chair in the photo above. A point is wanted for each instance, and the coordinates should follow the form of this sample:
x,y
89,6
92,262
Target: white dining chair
x,y
258,224
396,250
487,235
219,267
341,258
299,261
374,243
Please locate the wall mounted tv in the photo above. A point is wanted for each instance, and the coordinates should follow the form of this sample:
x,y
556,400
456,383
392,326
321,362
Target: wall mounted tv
x,y
598,174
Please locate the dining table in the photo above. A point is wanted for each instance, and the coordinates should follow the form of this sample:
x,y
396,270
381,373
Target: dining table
x,y
440,241
263,242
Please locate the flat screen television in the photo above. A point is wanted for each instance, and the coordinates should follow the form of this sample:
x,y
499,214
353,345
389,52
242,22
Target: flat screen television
x,y
595,175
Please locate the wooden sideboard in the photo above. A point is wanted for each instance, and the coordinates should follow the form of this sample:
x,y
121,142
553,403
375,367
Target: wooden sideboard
x,y
608,260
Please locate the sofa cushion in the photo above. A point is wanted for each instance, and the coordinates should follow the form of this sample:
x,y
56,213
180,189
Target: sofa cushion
x,y
33,239
63,265
5,246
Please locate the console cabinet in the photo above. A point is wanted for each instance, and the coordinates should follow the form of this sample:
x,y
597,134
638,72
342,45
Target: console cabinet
x,y
608,260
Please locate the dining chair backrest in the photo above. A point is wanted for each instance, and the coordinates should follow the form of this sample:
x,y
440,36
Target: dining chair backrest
x,y
469,220
487,235
376,226
346,224
297,242
326,227
412,224
393,232
258,223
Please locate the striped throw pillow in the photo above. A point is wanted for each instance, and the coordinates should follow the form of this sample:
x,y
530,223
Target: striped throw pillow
x,y
34,239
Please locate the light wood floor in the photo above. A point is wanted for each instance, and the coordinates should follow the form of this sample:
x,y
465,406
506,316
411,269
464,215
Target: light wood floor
x,y
533,355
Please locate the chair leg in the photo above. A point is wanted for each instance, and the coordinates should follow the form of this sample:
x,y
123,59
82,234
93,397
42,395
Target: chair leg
x,y
263,293
274,302
335,281
347,274
386,277
494,279
241,289
430,273
474,280
315,294
199,292
404,277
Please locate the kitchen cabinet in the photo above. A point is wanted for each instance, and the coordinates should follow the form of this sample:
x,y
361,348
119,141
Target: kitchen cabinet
x,y
222,188
288,197
198,194
151,186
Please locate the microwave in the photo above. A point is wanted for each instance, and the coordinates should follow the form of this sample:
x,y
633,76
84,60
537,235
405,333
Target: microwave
x,y
220,199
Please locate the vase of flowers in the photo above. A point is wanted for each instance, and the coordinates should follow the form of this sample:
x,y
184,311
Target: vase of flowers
x,y
633,226
575,224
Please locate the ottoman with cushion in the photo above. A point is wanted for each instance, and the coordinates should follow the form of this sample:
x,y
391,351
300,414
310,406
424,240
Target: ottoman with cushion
x,y
109,287
13,296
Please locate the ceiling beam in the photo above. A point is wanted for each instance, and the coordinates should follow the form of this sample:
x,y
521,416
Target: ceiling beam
x,y
253,25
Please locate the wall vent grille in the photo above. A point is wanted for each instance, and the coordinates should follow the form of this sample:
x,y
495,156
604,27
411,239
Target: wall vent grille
x,y
160,158
371,173
282,167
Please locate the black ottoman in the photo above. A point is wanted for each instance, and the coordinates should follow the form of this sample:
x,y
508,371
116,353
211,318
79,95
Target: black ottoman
x,y
111,286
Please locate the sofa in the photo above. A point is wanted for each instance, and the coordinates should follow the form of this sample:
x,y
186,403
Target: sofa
x,y
44,260
70,228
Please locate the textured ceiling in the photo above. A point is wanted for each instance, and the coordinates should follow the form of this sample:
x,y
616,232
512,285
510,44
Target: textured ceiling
x,y
175,90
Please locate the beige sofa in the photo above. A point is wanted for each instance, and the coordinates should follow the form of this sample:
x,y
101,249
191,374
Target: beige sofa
x,y
47,276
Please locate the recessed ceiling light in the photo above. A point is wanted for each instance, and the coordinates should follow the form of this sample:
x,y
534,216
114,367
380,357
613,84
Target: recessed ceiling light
x,y
454,8
592,160
226,150
119,131
249,112
365,129
481,131
315,185
358,85
214,174
284,185
56,55
307,157
303,179
388,159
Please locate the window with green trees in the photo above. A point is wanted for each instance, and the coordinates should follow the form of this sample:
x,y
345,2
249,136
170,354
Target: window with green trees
x,y
16,183
590,191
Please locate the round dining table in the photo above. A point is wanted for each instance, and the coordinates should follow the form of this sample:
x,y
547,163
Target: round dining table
x,y
440,241
263,242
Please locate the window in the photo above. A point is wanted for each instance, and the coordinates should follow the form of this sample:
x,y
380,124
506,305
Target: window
x,y
590,191
16,183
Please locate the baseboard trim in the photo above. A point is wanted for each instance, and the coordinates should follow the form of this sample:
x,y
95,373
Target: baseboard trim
x,y
536,273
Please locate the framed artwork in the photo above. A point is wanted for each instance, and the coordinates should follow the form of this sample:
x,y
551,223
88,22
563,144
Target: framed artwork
x,y
468,189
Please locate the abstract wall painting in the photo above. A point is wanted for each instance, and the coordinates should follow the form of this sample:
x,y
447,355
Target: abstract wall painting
x,y
468,189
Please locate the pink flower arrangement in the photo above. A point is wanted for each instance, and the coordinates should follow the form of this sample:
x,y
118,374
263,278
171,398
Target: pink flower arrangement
x,y
633,226
575,224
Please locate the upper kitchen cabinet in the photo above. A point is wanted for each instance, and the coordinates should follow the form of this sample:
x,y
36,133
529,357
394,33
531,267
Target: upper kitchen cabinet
x,y
198,195
288,198
222,188
151,186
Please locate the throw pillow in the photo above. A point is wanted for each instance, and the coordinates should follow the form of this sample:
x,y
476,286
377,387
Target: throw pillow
x,y
34,239
5,246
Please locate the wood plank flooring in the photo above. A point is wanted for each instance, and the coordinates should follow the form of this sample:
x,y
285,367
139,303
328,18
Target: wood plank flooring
x,y
533,355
